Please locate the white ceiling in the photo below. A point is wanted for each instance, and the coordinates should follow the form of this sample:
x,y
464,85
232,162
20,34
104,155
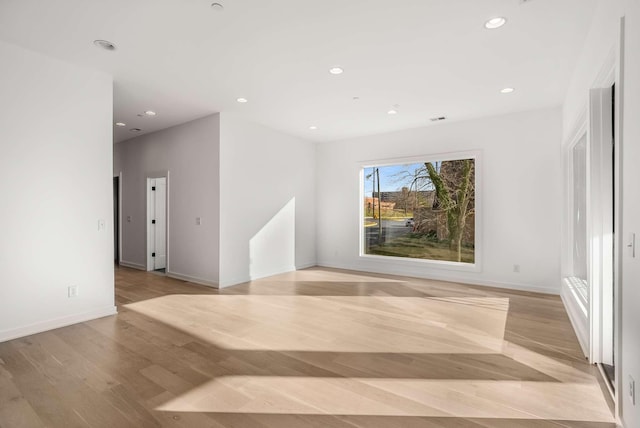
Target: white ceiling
x,y
183,60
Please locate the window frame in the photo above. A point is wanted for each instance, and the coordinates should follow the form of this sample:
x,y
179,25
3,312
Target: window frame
x,y
476,155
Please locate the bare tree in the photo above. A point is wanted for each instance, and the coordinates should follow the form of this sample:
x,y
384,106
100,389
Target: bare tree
x,y
454,189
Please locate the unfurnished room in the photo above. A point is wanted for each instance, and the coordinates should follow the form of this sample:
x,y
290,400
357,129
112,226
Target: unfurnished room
x,y
340,213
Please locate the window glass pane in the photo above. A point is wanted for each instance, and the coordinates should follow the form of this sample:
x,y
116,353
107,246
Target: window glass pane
x,y
579,156
424,210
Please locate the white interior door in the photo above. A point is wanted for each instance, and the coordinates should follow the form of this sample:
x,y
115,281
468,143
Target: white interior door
x,y
156,223
160,260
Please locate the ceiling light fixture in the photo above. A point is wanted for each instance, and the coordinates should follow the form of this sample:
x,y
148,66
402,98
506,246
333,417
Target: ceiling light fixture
x,y
336,70
506,90
150,113
105,44
313,127
121,124
242,100
135,130
494,23
392,112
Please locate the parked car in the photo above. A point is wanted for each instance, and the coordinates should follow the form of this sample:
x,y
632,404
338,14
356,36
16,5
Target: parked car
x,y
410,222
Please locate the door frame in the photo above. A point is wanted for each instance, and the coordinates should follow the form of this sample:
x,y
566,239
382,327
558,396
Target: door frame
x,y
600,235
119,225
149,264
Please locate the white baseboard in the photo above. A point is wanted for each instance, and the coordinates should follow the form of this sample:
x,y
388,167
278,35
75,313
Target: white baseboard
x,y
306,265
578,318
272,272
41,326
449,277
193,279
132,265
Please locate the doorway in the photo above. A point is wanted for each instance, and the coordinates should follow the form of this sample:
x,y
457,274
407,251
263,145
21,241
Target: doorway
x,y
116,220
157,224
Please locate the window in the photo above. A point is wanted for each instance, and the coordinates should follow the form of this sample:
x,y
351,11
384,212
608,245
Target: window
x,y
579,245
420,209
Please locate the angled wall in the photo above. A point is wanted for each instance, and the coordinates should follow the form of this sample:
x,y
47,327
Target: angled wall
x,y
267,201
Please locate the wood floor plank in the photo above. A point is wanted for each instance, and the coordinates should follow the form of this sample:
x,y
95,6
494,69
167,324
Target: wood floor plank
x,y
313,348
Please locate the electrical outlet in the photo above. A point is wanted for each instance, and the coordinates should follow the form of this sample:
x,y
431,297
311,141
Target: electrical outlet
x,y
72,291
198,221
101,224
632,390
128,219
516,268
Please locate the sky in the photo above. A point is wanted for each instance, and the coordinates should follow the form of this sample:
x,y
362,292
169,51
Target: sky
x,y
391,177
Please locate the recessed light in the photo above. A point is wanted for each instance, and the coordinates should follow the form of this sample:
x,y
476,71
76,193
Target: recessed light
x,y
242,100
356,98
135,130
392,112
150,113
217,7
105,44
313,127
506,90
336,70
494,23
121,124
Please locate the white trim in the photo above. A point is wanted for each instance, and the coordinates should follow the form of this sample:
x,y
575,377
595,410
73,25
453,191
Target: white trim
x,y
167,218
577,317
306,265
399,271
234,281
51,324
476,155
272,272
618,241
193,279
119,176
133,265
600,225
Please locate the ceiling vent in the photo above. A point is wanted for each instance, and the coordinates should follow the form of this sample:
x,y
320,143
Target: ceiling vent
x,y
437,119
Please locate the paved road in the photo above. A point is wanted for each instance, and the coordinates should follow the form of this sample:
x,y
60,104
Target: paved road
x,y
391,229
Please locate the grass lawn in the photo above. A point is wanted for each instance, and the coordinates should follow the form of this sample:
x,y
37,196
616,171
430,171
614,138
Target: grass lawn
x,y
419,246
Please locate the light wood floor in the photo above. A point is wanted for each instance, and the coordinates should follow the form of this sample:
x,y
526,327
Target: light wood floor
x,y
314,348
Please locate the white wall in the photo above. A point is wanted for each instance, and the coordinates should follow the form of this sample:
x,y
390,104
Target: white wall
x,y
56,183
630,298
189,155
520,179
267,193
599,46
